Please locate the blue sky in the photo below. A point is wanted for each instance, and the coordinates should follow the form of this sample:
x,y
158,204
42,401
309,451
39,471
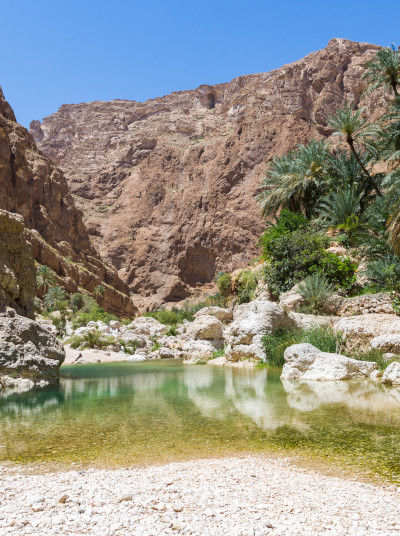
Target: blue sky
x,y
65,51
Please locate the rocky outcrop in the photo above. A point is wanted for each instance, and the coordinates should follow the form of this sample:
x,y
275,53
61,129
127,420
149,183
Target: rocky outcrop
x,y
17,270
168,184
391,375
381,302
250,322
389,343
306,362
224,315
29,354
32,186
360,329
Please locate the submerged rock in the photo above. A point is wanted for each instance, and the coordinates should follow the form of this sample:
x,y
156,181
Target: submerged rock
x,y
306,362
28,352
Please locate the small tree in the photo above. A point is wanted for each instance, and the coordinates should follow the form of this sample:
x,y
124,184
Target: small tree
x,y
384,70
55,298
44,277
99,291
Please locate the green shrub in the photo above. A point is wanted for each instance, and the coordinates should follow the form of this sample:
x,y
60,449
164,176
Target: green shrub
x,y
171,332
60,325
316,291
171,316
76,301
95,314
218,353
372,354
246,285
286,223
156,344
92,339
130,347
224,283
55,299
296,255
385,273
275,343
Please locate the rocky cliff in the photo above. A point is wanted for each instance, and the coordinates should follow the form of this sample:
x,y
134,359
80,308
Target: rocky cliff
x,y
168,185
32,186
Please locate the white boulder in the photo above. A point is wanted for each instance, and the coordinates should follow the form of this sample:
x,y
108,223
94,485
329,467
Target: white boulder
x,y
361,328
391,374
147,325
308,363
205,327
224,315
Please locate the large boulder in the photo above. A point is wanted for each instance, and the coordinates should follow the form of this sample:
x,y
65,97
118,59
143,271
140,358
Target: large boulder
x,y
306,321
391,374
250,322
195,351
205,327
224,315
28,351
363,328
145,325
308,363
292,299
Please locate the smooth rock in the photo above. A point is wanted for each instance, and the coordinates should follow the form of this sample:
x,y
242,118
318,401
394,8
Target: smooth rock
x,y
391,374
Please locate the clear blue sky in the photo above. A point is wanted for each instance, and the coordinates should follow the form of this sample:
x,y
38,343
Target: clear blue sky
x,y
63,51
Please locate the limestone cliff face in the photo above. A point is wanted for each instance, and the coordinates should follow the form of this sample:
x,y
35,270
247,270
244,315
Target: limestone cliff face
x,y
17,269
168,186
32,186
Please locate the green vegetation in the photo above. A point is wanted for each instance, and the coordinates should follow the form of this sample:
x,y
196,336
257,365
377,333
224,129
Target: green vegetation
x,y
171,316
275,343
91,339
246,286
99,291
45,277
316,291
94,314
224,283
348,193
129,347
55,299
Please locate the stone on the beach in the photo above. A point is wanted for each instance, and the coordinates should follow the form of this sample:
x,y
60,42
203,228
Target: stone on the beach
x,y
307,363
205,327
391,374
224,315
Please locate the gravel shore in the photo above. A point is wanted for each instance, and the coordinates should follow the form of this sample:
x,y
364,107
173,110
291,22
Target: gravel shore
x,y
248,496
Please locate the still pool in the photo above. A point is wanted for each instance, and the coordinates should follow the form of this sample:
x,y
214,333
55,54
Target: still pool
x,y
155,412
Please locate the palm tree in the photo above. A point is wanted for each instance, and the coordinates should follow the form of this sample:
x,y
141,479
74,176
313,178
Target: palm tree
x,y
99,291
54,297
337,207
296,180
351,124
44,277
384,70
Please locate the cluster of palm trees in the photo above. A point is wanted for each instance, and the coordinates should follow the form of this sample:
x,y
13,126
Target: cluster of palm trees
x,y
353,185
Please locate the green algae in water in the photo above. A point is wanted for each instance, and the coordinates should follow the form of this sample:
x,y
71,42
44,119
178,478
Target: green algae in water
x,y
155,412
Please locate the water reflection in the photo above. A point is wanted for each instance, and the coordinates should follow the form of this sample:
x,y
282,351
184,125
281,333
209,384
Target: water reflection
x,y
162,410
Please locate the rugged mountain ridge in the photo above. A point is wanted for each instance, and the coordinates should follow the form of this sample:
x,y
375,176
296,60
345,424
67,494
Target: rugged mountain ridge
x,y
32,186
168,185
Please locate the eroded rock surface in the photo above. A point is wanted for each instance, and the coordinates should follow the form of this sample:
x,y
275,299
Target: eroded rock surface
x,y
306,362
27,352
168,184
32,186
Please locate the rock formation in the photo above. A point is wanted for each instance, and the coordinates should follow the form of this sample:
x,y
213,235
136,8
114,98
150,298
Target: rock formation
x,y
168,184
33,187
17,269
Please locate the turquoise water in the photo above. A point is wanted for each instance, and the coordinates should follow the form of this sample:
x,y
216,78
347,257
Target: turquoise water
x,y
154,412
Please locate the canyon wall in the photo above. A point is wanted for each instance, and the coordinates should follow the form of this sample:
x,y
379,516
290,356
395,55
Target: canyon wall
x,y
168,185
33,187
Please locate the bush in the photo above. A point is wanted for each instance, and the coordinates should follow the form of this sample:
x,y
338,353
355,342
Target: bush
x,y
92,339
55,299
129,347
286,223
224,283
385,273
246,285
76,301
275,343
95,314
171,332
316,291
296,255
171,316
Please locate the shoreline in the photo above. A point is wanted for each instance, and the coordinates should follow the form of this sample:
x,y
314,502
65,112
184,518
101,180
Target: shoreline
x,y
235,496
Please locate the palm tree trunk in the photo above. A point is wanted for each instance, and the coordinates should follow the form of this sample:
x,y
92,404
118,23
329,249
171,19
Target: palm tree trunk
x,y
364,169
